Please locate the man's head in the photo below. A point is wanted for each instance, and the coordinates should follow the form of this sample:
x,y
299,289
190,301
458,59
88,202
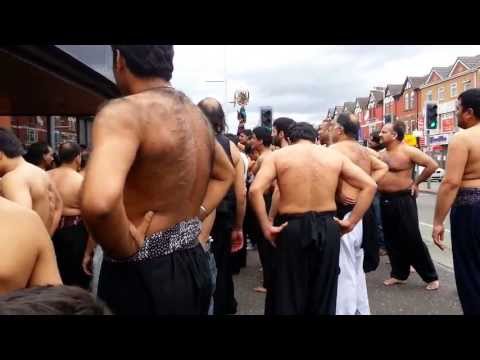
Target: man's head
x,y
468,108
213,111
10,148
245,136
302,131
41,155
262,137
393,132
133,62
51,300
374,141
324,132
280,130
70,153
345,126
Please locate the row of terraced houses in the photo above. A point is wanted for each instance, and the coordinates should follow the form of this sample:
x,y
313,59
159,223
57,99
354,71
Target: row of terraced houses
x,y
407,102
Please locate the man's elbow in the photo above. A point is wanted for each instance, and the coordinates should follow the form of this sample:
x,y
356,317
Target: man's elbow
x,y
451,184
97,208
254,192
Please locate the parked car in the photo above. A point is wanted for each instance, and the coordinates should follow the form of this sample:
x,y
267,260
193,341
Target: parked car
x,y
436,176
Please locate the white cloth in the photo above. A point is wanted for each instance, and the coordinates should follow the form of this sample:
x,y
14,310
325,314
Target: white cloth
x,y
97,265
245,163
352,296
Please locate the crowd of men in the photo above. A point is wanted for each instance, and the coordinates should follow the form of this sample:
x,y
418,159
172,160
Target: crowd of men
x,y
160,217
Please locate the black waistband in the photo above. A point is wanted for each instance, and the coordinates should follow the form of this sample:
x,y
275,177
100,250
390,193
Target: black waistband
x,y
343,210
288,217
68,221
395,194
467,196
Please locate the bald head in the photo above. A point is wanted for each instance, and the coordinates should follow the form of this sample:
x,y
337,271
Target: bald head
x,y
213,111
68,152
349,123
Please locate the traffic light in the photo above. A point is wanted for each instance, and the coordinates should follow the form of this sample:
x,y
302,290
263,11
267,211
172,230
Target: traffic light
x,y
266,117
432,116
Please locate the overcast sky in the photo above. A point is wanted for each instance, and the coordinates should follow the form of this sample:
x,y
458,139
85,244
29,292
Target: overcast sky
x,y
302,81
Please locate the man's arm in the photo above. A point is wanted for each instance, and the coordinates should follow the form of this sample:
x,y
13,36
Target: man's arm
x,y
379,168
115,142
420,158
456,159
16,189
221,178
58,209
262,182
240,188
356,177
275,200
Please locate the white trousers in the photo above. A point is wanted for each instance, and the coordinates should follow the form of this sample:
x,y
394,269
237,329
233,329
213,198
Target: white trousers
x,y
352,297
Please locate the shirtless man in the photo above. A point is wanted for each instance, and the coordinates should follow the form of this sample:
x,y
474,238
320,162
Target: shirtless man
x,y
261,142
28,258
324,133
41,155
70,239
460,191
155,171
27,184
358,248
399,208
227,231
306,262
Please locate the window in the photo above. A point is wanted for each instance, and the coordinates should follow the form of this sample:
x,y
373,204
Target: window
x,y
441,94
429,95
453,89
32,136
407,101
412,100
466,85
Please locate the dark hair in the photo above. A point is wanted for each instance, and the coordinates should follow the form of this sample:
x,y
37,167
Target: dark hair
x,y
147,60
51,300
399,128
264,134
470,99
248,133
248,149
85,157
375,136
302,131
233,138
35,153
350,127
68,151
213,111
9,144
283,124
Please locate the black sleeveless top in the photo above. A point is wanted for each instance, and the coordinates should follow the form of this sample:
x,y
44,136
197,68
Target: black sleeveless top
x,y
228,204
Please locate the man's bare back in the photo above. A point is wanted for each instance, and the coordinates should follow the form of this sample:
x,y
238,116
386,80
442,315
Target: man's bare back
x,y
30,186
158,150
362,157
68,183
28,258
316,169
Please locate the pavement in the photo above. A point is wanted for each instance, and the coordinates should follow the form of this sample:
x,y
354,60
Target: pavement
x,y
408,299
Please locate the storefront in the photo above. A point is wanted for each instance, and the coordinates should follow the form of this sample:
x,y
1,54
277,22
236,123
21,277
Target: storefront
x,y
438,148
51,93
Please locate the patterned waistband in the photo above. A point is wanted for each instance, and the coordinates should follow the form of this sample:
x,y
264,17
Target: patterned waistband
x,y
67,221
467,196
181,236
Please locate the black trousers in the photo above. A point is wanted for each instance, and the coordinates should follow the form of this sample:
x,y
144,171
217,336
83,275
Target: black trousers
x,y
224,302
404,242
305,266
465,221
174,284
70,243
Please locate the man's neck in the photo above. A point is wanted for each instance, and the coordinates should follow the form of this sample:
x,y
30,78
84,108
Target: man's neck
x,y
148,84
71,166
13,164
393,145
264,149
345,138
284,143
